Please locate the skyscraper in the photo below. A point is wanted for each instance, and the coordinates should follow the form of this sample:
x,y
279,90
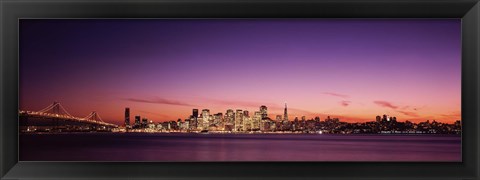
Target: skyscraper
x,y
195,113
144,122
137,121
263,110
127,117
205,118
257,120
239,120
285,115
195,118
229,120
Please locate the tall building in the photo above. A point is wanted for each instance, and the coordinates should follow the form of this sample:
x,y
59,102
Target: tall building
x,y
378,118
257,120
263,110
205,118
285,115
137,121
239,120
194,119
229,120
144,122
127,117
218,119
195,112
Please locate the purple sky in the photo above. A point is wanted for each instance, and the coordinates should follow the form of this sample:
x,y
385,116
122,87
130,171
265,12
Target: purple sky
x,y
354,69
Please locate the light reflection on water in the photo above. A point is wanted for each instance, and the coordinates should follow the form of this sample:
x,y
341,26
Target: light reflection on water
x,y
238,147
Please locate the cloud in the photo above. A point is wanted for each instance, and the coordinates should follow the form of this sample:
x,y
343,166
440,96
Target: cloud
x,y
345,103
336,94
452,115
408,113
385,104
158,100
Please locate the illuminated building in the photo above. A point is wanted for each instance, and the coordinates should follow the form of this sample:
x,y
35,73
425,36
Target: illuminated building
x,y
378,118
257,120
239,120
229,120
263,110
247,124
285,115
218,121
144,122
127,117
194,121
137,121
205,118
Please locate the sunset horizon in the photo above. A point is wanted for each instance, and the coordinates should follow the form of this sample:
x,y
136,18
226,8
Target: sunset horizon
x,y
162,69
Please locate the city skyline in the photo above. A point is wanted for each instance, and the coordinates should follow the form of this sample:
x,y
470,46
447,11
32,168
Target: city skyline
x,y
161,69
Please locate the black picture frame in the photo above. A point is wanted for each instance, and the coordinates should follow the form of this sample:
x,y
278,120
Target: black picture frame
x,y
13,10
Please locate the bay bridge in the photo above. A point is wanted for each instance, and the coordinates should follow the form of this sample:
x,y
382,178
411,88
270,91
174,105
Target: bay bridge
x,y
55,118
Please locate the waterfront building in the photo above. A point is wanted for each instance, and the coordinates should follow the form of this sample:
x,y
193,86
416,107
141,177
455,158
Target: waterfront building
x,y
127,117
137,121
263,110
239,120
257,120
194,119
285,114
205,119
144,122
229,120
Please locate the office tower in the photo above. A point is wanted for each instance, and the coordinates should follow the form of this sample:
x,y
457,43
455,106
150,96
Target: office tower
x,y
378,118
127,117
239,120
263,110
285,115
247,123
205,118
317,119
257,120
195,112
137,121
194,122
218,118
144,122
229,119
304,118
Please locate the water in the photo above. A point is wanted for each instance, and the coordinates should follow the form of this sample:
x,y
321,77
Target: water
x,y
237,147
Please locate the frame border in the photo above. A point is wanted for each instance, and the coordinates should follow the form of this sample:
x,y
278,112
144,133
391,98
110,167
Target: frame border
x,y
13,10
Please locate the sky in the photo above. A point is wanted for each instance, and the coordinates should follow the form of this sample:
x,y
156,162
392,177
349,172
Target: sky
x,y
354,69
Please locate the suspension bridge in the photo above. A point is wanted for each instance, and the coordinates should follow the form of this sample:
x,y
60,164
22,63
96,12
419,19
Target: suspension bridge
x,y
57,117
